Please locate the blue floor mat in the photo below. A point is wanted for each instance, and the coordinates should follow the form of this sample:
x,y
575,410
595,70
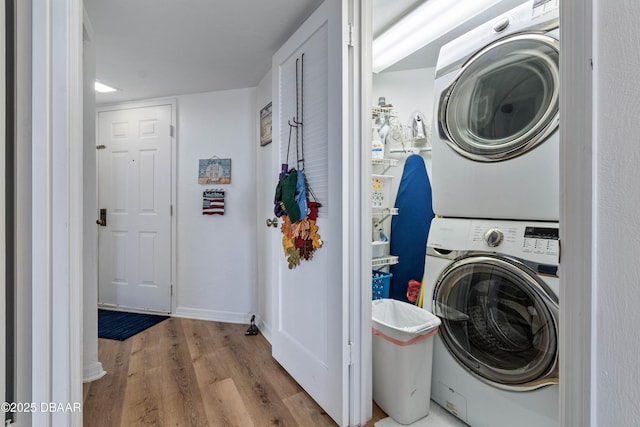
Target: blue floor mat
x,y
120,325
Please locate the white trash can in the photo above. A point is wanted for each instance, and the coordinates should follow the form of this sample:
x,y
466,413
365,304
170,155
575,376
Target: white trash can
x,y
402,355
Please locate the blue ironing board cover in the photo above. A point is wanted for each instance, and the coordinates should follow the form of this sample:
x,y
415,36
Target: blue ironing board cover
x,y
410,228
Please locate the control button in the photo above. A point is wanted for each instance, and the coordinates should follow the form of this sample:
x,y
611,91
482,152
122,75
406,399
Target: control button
x,y
493,237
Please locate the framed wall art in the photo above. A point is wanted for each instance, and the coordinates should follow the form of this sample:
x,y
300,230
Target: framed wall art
x,y
265,125
214,171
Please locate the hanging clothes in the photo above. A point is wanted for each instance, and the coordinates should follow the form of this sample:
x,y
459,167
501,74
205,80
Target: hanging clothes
x,y
301,195
286,195
294,200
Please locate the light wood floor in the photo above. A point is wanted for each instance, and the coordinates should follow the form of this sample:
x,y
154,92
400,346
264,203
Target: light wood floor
x,y
185,372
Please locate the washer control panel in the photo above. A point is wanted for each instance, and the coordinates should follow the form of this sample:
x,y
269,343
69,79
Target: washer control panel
x,y
516,237
541,240
530,240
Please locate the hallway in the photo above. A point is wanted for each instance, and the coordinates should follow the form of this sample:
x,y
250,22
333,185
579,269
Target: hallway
x,y
185,372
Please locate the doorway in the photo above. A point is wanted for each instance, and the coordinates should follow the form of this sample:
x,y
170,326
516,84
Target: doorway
x,y
135,192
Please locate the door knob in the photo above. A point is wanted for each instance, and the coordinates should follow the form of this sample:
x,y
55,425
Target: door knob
x,y
272,222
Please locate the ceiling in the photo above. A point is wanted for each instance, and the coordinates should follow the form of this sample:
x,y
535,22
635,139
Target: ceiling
x,y
158,48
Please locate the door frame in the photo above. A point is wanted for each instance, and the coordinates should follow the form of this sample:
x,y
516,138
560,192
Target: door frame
x,y
578,374
3,209
360,54
56,225
174,138
576,370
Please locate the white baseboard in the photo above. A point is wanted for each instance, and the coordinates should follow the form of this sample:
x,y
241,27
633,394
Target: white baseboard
x,y
93,372
265,328
213,315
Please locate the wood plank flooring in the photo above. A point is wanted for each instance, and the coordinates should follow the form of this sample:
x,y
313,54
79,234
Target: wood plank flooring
x,y
188,373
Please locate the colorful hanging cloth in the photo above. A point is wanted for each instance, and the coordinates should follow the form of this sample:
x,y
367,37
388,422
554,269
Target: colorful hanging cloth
x,y
294,199
286,195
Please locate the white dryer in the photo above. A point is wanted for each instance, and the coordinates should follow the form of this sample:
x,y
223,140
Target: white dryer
x,y
494,285
496,143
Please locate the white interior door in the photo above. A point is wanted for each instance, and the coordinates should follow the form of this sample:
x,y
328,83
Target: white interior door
x,y
134,186
310,334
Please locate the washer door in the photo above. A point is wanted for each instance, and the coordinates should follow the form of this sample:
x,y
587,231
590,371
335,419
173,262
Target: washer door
x,y
499,321
504,101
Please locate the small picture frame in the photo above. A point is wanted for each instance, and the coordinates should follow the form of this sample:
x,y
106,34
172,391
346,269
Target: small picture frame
x,y
265,125
214,171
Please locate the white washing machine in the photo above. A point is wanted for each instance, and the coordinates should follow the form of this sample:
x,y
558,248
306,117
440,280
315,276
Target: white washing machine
x,y
496,142
494,285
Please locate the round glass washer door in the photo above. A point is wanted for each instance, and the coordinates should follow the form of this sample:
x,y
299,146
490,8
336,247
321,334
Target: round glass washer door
x,y
499,321
504,101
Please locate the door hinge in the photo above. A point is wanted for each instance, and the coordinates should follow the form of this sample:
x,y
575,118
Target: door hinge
x,y
351,35
350,350
171,287
170,210
171,130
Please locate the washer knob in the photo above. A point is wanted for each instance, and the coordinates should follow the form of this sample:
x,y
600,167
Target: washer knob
x,y
493,237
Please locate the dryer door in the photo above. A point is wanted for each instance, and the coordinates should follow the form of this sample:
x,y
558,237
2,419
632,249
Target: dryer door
x,y
504,101
499,320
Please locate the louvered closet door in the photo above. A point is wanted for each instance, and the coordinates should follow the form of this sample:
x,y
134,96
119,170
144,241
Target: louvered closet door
x,y
135,187
310,307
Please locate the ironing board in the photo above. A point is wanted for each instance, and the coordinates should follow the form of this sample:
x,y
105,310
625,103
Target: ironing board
x,y
410,228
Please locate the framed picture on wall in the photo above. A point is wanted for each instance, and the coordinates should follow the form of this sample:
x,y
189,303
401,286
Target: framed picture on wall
x,y
214,171
265,125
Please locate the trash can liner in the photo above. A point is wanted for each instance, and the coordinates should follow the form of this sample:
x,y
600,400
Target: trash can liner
x,y
402,321
402,347
412,341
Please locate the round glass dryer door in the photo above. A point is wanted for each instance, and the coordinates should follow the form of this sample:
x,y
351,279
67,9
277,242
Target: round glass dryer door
x,y
504,101
499,321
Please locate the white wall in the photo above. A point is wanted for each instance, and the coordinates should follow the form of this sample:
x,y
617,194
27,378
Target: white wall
x,y
216,255
265,192
407,91
617,223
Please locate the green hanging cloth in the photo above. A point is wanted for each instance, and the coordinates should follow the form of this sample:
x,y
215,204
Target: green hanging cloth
x,y
286,195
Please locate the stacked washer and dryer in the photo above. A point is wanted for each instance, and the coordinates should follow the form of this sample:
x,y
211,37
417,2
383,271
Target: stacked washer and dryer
x,y
491,270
